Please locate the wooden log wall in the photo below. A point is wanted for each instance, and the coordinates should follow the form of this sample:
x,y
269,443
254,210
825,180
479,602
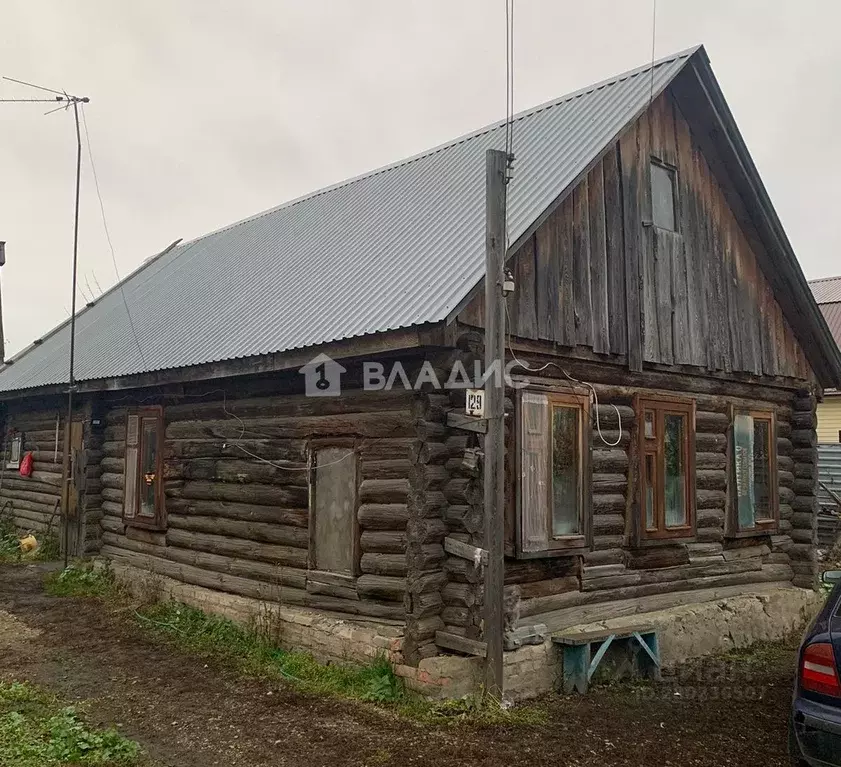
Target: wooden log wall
x,y
236,497
462,594
426,528
802,509
563,590
33,499
90,537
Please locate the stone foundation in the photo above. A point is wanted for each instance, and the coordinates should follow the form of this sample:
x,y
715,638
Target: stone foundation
x,y
330,639
687,631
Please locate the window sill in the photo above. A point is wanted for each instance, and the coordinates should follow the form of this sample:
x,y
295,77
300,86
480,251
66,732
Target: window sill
x,y
672,540
152,525
567,551
757,532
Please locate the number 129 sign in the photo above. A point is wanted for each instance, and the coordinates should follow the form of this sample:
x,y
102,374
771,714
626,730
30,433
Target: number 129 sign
x,y
475,403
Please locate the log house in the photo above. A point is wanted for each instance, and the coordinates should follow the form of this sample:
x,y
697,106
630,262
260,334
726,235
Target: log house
x,y
666,362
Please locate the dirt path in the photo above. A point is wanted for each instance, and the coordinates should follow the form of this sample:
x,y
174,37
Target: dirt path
x,y
186,713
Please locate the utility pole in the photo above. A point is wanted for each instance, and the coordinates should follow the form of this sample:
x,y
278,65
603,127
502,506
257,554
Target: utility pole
x,y
496,163
64,101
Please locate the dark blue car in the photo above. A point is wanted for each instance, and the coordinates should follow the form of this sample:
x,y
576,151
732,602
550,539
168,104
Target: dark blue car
x,y
815,727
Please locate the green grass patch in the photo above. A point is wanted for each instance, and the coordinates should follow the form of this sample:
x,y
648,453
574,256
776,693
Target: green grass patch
x,y
37,731
255,651
48,549
764,655
9,541
81,581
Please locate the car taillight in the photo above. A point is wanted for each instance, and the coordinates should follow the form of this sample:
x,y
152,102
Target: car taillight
x,y
818,672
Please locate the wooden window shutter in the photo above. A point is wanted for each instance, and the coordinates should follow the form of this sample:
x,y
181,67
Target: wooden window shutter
x,y
534,473
130,492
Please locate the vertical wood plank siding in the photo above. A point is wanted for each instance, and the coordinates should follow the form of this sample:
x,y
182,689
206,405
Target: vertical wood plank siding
x,y
597,274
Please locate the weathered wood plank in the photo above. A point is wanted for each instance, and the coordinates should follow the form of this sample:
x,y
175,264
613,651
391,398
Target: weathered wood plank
x,y
548,278
633,147
525,318
615,252
598,261
581,264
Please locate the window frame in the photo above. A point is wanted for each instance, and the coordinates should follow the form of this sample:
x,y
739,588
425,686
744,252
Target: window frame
x,y
766,525
663,405
673,173
159,521
562,545
17,439
313,571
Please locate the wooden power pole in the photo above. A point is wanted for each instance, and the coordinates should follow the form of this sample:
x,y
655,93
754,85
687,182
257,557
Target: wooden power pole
x,y
494,464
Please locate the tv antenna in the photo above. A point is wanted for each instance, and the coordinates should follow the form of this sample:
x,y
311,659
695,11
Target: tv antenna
x,y
64,101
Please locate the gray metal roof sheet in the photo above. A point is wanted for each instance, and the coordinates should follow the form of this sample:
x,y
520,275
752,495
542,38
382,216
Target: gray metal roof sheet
x,y
832,315
826,290
397,247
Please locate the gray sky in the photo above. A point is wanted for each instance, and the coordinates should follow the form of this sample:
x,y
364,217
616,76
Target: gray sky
x,y
204,112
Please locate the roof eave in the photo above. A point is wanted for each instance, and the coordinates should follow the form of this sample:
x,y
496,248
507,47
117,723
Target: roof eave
x,y
358,347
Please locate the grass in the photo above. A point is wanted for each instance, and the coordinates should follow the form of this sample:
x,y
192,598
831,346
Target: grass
x,y
37,731
195,631
763,655
255,652
81,581
48,548
9,542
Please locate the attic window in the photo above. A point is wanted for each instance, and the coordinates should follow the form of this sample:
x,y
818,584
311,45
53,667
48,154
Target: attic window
x,y
663,196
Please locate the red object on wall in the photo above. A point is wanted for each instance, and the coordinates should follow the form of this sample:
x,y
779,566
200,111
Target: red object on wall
x,y
26,465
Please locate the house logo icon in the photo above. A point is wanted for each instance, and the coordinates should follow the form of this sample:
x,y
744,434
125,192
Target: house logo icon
x,y
322,377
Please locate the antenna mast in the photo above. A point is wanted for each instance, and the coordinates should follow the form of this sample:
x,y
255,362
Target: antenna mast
x,y
65,101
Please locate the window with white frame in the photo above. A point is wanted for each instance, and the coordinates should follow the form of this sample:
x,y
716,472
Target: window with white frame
x,y
554,487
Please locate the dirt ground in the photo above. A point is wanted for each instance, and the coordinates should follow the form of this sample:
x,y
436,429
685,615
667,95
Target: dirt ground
x,y
187,713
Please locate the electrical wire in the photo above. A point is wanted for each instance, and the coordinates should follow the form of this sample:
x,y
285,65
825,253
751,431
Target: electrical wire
x,y
653,41
509,114
243,430
594,397
509,151
108,236
264,460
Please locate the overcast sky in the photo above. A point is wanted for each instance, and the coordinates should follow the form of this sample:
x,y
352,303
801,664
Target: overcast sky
x,y
204,112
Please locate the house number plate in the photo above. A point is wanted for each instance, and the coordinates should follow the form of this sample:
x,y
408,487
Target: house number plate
x,y
475,404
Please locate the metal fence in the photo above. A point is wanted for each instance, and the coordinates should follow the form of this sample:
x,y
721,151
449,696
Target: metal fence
x,y
829,473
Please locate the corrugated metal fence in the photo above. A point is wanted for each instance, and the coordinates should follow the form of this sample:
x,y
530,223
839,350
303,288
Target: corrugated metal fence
x,y
829,472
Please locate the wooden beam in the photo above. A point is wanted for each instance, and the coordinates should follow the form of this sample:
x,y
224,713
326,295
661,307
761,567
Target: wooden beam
x,y
461,644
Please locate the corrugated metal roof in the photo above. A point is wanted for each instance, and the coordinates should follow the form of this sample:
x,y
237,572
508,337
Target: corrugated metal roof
x,y
826,290
400,246
832,315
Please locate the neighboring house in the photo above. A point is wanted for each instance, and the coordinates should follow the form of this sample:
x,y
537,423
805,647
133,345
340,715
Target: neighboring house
x,y
651,271
827,292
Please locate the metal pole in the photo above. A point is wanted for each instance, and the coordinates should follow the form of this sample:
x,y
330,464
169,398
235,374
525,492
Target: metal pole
x,y
67,465
494,465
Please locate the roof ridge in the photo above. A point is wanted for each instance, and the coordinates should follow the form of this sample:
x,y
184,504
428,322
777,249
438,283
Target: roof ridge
x,y
824,279
557,101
